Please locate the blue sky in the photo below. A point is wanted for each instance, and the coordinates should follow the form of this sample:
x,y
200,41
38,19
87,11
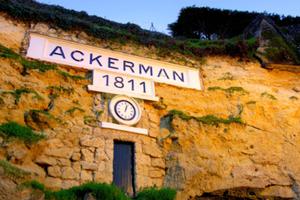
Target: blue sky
x,y
164,12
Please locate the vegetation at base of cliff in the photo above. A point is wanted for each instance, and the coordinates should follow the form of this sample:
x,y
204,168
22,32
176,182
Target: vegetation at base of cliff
x,y
229,90
154,193
70,20
18,93
12,171
24,133
98,190
207,119
101,191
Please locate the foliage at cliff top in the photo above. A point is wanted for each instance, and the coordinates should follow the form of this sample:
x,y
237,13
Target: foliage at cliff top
x,y
29,11
210,22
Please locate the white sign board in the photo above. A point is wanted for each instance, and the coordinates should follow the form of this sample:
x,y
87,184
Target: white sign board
x,y
115,83
84,56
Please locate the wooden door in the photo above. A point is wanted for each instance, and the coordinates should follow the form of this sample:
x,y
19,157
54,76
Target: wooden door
x,y
123,170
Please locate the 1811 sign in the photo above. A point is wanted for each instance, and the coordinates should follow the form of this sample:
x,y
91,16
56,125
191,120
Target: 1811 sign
x,y
128,85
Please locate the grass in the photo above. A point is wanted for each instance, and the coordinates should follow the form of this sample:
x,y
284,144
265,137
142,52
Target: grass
x,y
154,193
207,119
270,96
19,92
12,171
24,133
229,90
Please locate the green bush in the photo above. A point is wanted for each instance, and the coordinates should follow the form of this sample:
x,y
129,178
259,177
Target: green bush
x,y
34,185
101,191
12,171
154,193
24,133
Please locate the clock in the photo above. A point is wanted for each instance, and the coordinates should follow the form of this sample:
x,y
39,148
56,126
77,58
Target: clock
x,y
125,110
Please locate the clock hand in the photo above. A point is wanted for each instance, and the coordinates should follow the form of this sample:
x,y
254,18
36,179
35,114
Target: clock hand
x,y
126,108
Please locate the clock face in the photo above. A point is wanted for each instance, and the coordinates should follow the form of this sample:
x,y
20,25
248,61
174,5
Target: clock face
x,y
125,110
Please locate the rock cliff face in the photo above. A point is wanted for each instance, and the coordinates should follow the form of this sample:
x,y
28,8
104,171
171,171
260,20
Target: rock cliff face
x,y
237,138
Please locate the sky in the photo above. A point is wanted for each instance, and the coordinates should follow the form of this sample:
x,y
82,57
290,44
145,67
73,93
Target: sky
x,y
163,12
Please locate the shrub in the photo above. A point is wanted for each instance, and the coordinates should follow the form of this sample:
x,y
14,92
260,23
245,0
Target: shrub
x,y
24,133
154,193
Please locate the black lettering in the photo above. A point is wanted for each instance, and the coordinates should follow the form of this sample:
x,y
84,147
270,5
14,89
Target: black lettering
x,y
111,61
60,53
162,70
149,68
95,59
77,52
180,77
128,64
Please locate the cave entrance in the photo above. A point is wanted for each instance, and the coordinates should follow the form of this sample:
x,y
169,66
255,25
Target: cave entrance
x,y
123,166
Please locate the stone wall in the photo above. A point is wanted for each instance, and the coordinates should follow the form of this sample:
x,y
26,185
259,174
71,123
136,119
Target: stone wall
x,y
258,157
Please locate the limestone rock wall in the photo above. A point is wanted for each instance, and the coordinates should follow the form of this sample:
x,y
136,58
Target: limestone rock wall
x,y
258,157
